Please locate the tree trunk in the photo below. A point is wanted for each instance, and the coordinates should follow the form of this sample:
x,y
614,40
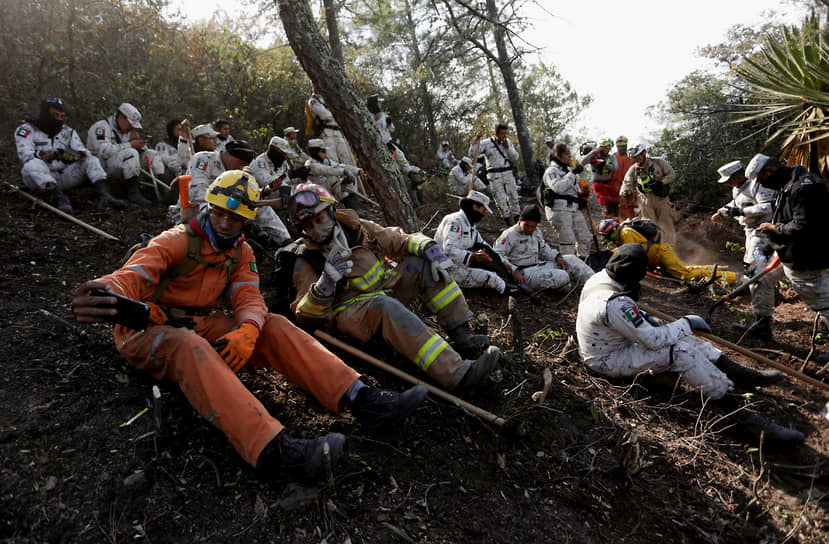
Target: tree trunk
x,y
517,105
355,121
333,30
425,96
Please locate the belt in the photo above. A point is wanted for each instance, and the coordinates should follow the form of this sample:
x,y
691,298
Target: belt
x,y
332,127
497,170
186,311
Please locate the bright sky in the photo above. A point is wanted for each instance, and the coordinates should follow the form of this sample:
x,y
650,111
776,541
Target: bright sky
x,y
602,46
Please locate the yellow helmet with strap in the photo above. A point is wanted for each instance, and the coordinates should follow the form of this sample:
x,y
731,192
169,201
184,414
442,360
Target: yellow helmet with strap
x,y
235,191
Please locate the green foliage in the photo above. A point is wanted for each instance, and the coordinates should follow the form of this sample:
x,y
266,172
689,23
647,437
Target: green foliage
x,y
550,103
97,54
735,247
789,89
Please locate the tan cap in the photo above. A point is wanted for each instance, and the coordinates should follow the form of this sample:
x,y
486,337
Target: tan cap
x,y
289,130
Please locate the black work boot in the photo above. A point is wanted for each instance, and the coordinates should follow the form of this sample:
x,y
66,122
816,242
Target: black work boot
x,y
104,198
760,327
479,370
377,408
54,196
466,342
134,193
290,458
747,376
753,425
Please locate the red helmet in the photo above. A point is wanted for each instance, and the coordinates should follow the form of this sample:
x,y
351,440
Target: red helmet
x,y
307,200
609,228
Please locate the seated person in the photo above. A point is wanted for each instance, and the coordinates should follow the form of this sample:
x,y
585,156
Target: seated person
x,y
360,278
470,254
617,338
538,266
55,159
194,343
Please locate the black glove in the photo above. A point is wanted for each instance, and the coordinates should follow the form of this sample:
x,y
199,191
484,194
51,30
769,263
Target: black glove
x,y
697,323
300,173
734,211
651,319
578,169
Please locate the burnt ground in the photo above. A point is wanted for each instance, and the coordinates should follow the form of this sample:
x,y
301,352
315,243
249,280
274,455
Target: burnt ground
x,y
562,470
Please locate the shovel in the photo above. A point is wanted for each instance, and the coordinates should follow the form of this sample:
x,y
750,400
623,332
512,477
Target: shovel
x,y
742,288
598,258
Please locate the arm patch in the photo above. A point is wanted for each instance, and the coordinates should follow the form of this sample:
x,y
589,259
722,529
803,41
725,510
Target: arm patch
x,y
631,313
23,133
100,133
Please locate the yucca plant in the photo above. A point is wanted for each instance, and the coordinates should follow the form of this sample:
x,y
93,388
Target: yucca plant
x,y
788,86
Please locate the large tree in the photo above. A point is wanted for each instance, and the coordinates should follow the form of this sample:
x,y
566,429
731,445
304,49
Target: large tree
x,y
354,119
503,23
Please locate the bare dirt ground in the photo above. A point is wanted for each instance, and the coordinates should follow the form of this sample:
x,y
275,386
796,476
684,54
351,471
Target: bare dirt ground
x,y
564,470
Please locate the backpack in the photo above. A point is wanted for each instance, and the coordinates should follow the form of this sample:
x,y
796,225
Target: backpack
x,y
283,277
193,258
646,228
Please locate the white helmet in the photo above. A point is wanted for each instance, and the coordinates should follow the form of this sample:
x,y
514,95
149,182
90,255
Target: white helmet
x,y
131,113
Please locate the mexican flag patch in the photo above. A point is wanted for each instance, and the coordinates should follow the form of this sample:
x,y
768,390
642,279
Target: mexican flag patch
x,y
253,268
22,132
201,165
100,133
631,313
260,164
454,228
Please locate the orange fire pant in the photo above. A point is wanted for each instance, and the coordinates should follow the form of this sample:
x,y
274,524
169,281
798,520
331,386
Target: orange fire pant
x,y
185,357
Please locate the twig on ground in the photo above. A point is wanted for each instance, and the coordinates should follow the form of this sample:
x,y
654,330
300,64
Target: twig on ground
x,y
812,342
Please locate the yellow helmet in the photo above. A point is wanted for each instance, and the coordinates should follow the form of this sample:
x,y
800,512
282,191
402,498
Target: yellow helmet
x,y
622,140
235,191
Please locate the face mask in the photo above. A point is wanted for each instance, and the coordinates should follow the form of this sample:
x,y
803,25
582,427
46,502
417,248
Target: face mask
x,y
276,156
474,216
322,233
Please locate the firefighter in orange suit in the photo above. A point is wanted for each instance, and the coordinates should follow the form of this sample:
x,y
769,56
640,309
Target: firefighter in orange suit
x,y
360,277
183,274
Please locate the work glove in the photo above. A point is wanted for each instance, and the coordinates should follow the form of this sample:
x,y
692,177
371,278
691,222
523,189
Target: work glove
x,y
625,194
697,323
733,211
578,169
236,346
439,263
334,270
300,173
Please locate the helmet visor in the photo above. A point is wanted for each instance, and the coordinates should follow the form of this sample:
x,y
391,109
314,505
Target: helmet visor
x,y
303,205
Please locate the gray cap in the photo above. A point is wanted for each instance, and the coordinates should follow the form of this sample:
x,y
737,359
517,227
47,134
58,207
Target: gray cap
x,y
444,142
467,160
480,198
548,139
728,170
204,130
316,142
131,113
289,130
756,164
280,144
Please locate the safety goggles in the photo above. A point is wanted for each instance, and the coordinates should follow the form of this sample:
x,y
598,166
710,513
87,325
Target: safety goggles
x,y
237,194
303,205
